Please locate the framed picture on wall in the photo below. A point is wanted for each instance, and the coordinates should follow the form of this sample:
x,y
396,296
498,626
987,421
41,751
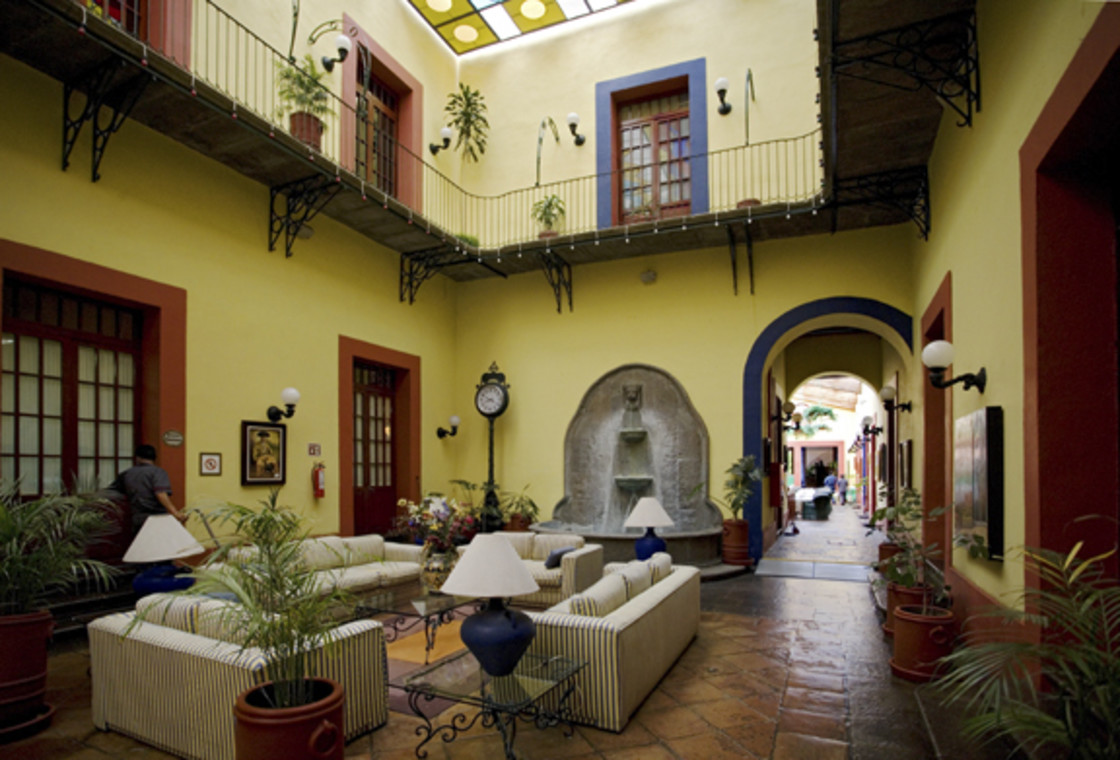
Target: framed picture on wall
x,y
978,477
264,454
209,463
905,463
882,463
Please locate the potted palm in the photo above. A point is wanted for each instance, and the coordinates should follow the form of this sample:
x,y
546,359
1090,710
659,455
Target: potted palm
x,y
1076,657
42,552
466,114
743,475
283,609
548,211
303,96
518,509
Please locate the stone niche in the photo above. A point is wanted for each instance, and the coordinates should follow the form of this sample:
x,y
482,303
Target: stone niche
x,y
636,434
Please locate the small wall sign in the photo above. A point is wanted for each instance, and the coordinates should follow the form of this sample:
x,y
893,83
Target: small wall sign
x,y
314,450
209,464
173,438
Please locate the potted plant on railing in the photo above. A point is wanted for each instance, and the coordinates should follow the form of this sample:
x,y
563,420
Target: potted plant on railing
x,y
548,211
519,510
282,608
42,552
303,96
1077,657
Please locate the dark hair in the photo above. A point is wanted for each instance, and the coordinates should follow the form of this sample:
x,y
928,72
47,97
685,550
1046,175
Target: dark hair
x,y
146,451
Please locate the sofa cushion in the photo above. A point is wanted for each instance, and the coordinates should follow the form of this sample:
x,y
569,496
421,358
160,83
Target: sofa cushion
x,y
368,548
546,577
522,542
323,553
397,572
602,598
354,579
660,565
217,620
637,577
172,610
556,555
545,543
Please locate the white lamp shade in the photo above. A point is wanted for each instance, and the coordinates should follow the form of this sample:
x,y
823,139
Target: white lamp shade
x,y
490,567
289,396
162,538
573,119
445,133
342,42
867,421
938,354
887,393
721,84
788,408
648,513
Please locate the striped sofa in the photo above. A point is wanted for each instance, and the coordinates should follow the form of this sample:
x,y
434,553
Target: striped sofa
x,y
577,570
173,683
630,627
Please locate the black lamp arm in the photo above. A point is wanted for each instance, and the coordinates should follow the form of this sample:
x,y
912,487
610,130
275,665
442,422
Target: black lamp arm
x,y
978,380
275,413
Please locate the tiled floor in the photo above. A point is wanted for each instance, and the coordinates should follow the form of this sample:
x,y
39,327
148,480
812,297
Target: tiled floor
x,y
782,668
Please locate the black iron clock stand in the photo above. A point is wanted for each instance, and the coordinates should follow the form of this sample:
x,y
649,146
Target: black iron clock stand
x,y
491,399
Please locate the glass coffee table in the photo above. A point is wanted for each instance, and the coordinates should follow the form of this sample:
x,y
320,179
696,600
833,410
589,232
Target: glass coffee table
x,y
402,609
537,692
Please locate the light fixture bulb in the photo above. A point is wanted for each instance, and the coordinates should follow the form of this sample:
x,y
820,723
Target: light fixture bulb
x,y
344,45
445,133
938,354
867,421
532,9
722,84
289,396
573,119
887,393
788,408
454,420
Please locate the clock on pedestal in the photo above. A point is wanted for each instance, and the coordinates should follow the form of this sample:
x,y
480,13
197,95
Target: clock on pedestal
x,y
491,398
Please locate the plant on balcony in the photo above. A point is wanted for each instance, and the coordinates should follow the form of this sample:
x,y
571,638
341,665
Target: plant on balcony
x,y
466,114
548,211
303,96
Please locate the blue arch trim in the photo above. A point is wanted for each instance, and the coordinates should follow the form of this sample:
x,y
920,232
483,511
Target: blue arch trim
x,y
753,379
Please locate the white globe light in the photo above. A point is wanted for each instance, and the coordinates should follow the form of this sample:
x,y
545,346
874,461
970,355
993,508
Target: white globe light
x,y
289,396
887,393
342,42
938,354
573,119
454,420
722,84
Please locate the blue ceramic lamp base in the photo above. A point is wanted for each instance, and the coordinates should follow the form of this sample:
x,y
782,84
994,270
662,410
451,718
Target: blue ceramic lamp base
x,y
497,637
648,545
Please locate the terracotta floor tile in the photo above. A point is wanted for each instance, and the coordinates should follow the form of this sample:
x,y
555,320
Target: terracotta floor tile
x,y
752,661
755,735
673,723
712,746
691,690
634,735
550,744
729,712
652,752
811,700
811,724
799,747
811,679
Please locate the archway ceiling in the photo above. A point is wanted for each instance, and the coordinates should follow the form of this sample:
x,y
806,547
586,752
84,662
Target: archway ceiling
x,y
836,391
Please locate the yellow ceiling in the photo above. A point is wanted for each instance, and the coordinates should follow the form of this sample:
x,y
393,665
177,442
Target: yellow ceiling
x,y
467,25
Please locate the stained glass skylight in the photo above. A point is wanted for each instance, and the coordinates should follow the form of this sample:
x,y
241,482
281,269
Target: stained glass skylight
x,y
467,25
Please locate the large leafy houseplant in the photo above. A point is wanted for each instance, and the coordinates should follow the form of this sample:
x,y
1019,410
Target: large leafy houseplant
x,y
518,509
301,89
548,211
466,114
1076,660
282,606
742,477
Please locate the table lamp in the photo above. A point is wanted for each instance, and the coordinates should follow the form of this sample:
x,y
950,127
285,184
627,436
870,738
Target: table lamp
x,y
649,514
497,636
162,538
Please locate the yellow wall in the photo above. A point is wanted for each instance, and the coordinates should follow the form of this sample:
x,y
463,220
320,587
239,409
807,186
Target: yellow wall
x,y
859,355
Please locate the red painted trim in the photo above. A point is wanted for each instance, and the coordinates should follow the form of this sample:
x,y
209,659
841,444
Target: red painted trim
x,y
407,406
410,113
969,600
937,421
164,343
169,29
1068,258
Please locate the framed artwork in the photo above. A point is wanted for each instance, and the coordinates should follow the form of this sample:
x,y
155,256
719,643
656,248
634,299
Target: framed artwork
x,y
882,463
264,454
905,463
978,477
209,463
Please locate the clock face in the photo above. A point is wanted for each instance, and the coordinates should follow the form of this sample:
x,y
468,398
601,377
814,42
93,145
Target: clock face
x,y
491,400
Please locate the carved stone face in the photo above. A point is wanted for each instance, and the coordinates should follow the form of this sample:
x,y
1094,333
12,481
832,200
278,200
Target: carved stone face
x,y
633,397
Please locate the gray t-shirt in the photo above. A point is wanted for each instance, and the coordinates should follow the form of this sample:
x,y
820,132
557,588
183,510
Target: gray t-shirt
x,y
140,484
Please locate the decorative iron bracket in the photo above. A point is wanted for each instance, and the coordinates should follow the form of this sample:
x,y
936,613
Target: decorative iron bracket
x,y
420,266
304,198
98,88
941,55
904,189
559,275
734,259
750,253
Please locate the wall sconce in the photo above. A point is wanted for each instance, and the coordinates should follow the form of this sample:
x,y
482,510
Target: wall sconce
x,y
573,122
795,418
290,397
445,138
344,45
887,395
938,356
721,91
444,432
869,427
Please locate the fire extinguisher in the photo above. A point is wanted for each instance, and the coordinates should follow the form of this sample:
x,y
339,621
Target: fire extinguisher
x,y
319,480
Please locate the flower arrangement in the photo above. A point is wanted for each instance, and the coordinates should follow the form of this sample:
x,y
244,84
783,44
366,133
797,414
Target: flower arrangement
x,y
437,523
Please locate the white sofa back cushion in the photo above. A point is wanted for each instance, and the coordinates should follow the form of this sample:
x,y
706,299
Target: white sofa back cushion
x,y
521,541
367,548
602,598
637,578
324,553
660,565
544,543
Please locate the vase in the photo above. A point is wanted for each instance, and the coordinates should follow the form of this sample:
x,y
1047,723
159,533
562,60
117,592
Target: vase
x,y
435,568
922,636
313,731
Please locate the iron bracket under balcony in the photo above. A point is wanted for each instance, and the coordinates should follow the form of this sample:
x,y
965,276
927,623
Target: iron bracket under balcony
x,y
102,87
558,272
940,54
420,266
906,190
303,199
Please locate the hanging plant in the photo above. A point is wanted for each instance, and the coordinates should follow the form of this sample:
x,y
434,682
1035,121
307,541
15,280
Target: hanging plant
x,y
466,114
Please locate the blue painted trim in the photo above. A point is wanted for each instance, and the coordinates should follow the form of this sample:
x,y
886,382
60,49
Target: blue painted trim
x,y
753,378
696,72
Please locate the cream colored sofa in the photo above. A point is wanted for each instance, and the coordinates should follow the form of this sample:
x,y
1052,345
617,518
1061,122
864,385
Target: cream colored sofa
x,y
578,568
629,627
172,681
360,564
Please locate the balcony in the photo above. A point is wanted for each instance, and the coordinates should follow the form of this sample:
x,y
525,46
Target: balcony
x,y
219,97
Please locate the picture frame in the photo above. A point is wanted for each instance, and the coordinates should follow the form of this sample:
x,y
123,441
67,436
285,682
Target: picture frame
x,y
905,463
209,464
978,487
264,454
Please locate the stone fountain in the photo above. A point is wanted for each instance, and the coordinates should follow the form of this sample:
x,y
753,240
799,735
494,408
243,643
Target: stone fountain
x,y
637,434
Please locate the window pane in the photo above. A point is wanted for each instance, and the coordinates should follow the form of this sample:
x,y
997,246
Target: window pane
x,y
52,358
664,194
124,435
359,482
108,321
86,471
87,401
87,364
86,439
89,317
106,366
647,134
107,439
28,435
7,434
29,356
674,192
124,405
125,374
106,409
52,475
29,475
674,150
106,471
686,191
126,329
8,357
647,155
52,437
8,468
8,393
684,126
663,131
29,394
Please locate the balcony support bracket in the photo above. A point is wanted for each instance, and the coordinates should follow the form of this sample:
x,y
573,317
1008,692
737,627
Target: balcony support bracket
x,y
906,190
734,259
420,266
559,275
98,86
303,199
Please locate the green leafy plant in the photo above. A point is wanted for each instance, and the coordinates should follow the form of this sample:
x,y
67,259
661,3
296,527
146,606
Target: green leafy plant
x,y
301,88
466,114
811,425
911,566
1077,658
549,210
470,240
283,607
743,475
519,504
43,543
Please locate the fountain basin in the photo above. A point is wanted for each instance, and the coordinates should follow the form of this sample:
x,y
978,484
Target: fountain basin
x,y
632,435
699,548
632,483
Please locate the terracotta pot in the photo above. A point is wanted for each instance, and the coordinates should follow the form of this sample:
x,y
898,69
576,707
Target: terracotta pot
x,y
308,732
307,128
921,639
23,674
898,595
888,549
545,234
735,546
518,523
